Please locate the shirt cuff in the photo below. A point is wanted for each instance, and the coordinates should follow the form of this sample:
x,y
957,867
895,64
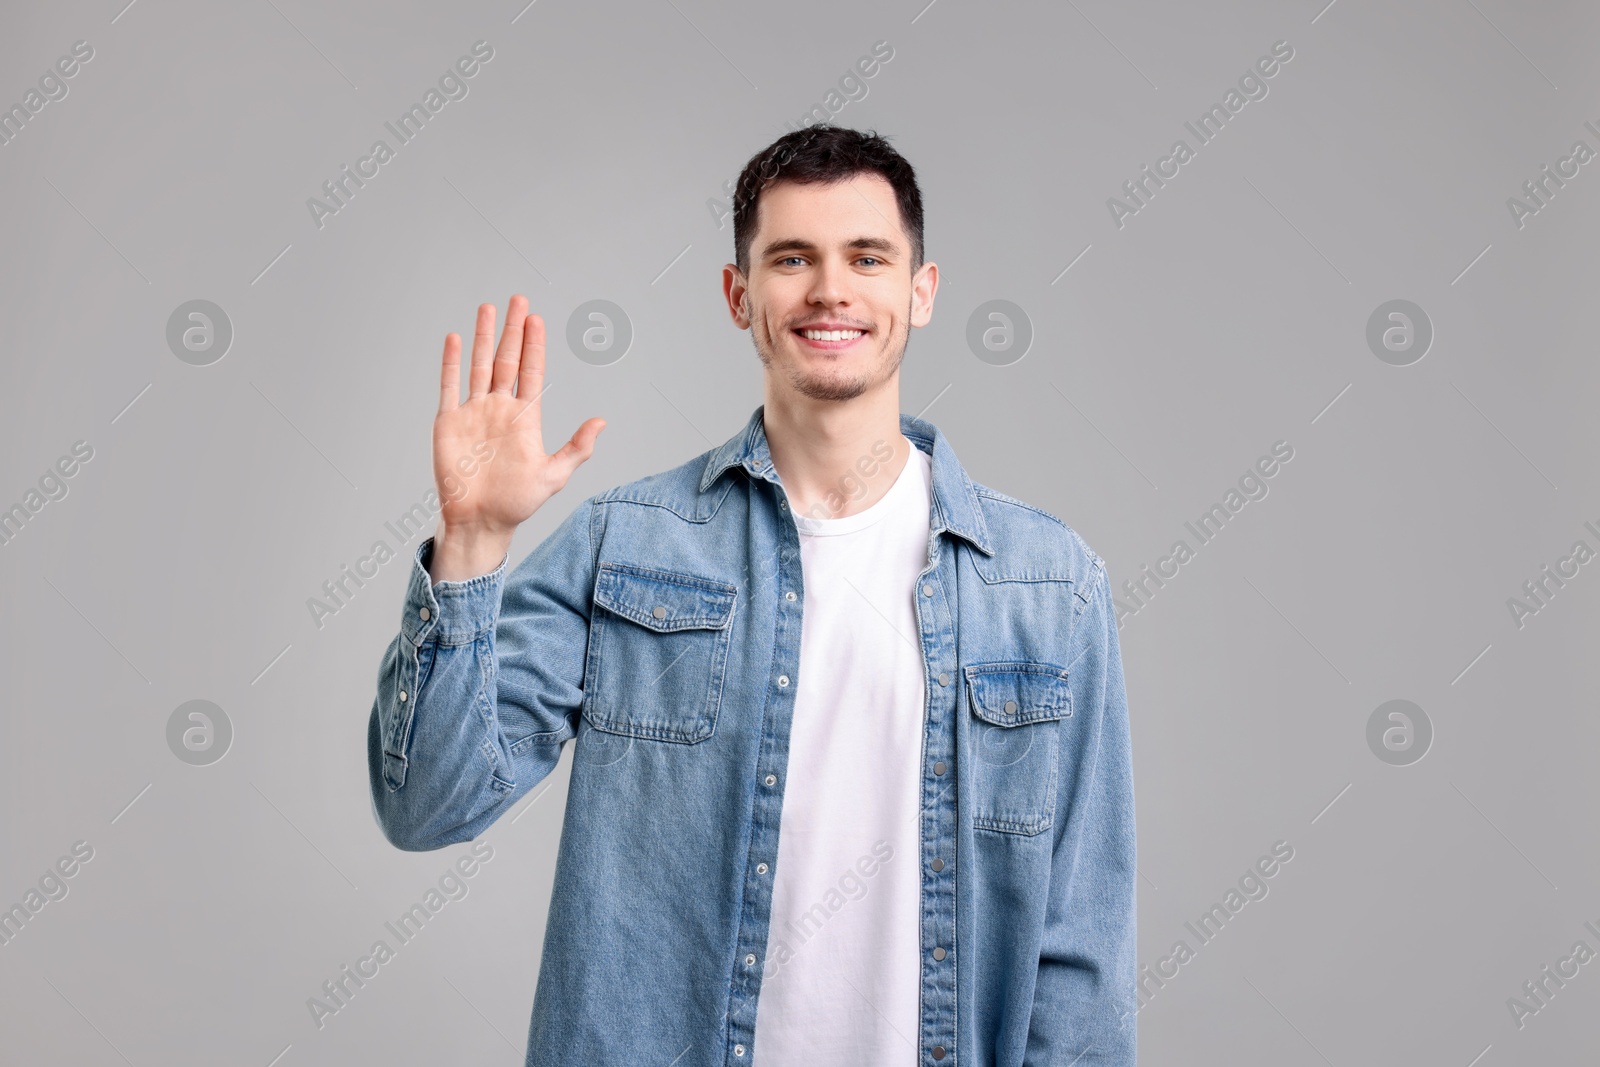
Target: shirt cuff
x,y
459,612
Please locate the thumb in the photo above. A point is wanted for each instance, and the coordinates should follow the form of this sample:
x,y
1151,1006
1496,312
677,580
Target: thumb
x,y
577,450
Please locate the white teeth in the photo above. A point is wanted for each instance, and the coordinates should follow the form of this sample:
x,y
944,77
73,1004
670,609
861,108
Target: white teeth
x,y
831,335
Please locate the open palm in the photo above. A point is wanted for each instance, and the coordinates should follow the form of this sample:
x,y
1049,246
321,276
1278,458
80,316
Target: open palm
x,y
489,460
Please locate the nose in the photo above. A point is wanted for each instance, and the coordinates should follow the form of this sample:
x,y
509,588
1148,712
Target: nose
x,y
830,286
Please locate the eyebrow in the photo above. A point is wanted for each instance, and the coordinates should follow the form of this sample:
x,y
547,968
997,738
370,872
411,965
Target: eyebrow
x,y
797,244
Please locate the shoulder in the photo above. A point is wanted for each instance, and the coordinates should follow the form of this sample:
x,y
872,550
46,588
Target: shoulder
x,y
1032,538
676,489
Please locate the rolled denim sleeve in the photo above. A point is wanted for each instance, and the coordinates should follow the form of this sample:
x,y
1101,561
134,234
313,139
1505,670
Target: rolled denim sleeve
x,y
480,689
1085,997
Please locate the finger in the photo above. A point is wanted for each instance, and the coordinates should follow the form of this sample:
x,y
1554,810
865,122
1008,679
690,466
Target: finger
x,y
507,355
578,449
482,352
450,374
530,379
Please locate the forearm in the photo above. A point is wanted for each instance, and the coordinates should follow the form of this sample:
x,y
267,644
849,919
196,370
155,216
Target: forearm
x,y
481,689
427,737
1085,996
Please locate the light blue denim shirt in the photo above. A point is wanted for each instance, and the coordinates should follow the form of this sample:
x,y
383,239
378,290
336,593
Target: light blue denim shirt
x,y
658,629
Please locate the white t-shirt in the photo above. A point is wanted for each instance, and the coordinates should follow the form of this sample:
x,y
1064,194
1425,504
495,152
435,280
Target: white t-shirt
x,y
841,979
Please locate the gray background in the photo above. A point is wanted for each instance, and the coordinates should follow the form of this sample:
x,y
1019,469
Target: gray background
x,y
1228,314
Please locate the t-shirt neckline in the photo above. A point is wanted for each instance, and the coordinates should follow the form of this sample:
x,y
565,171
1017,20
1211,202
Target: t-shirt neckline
x,y
814,527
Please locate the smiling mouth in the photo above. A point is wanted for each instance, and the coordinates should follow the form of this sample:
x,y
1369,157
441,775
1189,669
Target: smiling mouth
x,y
829,340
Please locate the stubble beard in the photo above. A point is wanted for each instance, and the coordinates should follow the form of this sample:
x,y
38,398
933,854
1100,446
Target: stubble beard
x,y
829,388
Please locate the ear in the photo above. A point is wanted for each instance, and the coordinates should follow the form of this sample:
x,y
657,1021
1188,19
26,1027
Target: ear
x,y
736,290
924,284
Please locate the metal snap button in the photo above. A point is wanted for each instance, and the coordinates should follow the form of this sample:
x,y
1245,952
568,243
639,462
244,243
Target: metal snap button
x,y
402,696
789,595
771,779
944,679
938,953
1011,705
424,614
938,1052
659,612
783,681
937,864
938,768
927,590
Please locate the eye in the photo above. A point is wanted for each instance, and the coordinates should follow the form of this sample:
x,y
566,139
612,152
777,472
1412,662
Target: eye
x,y
787,259
872,261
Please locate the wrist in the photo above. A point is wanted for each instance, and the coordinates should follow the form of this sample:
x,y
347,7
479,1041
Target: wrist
x,y
464,552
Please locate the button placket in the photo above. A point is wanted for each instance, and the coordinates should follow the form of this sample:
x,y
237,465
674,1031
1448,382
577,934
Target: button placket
x,y
753,929
938,899
938,953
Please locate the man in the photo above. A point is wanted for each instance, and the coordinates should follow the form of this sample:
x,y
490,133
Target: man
x,y
851,782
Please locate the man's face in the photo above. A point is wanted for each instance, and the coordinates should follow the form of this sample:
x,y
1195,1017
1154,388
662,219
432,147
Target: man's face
x,y
830,298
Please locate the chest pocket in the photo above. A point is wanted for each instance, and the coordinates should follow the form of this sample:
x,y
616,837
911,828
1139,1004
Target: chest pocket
x,y
1017,709
657,653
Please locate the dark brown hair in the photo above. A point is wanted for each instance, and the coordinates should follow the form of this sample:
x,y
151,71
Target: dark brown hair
x,y
825,154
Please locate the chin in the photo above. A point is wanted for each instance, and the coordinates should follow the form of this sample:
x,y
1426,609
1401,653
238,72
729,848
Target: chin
x,y
819,387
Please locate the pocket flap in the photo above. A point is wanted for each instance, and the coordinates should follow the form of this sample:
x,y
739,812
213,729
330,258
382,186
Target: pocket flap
x,y
1012,694
662,600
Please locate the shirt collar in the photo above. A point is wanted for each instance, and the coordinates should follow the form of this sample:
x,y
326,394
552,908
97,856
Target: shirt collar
x,y
955,501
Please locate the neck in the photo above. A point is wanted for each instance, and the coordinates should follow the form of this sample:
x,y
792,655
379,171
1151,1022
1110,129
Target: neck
x,y
836,458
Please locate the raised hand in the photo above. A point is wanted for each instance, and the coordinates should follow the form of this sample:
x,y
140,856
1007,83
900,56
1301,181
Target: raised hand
x,y
489,461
